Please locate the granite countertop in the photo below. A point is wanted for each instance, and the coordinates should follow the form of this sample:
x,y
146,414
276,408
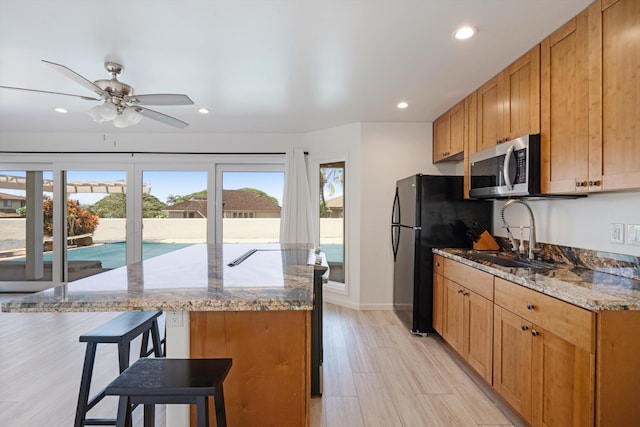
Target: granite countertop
x,y
195,278
590,289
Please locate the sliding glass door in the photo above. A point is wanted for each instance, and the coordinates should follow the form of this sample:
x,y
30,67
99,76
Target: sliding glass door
x,y
249,203
123,208
26,228
174,210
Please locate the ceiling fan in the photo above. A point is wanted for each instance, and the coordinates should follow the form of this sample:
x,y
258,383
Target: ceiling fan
x,y
120,105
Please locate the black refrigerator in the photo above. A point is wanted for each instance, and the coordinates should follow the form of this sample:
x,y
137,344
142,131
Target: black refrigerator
x,y
429,211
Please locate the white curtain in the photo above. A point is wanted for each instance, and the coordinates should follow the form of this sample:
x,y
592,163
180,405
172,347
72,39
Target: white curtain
x,y
296,225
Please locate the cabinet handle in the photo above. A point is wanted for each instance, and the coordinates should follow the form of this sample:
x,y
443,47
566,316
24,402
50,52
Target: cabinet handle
x,y
535,333
581,183
437,264
460,291
595,183
530,306
465,294
524,327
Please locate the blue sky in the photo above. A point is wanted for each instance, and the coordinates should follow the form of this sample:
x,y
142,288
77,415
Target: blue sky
x,y
177,183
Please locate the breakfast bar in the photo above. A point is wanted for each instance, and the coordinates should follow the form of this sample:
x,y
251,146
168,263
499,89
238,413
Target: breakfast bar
x,y
251,303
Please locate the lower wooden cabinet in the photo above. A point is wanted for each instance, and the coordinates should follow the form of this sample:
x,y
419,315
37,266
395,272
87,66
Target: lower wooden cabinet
x,y
547,379
539,353
438,293
467,316
512,360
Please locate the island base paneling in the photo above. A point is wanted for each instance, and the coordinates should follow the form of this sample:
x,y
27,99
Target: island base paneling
x,y
269,383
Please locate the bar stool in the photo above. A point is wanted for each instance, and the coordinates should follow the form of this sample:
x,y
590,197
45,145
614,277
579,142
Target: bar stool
x,y
168,381
120,330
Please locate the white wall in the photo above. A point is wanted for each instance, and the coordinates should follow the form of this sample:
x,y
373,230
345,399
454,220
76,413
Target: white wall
x,y
390,151
581,223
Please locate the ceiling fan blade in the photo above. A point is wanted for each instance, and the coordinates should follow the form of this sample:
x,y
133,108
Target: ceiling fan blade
x,y
161,99
76,77
88,98
155,115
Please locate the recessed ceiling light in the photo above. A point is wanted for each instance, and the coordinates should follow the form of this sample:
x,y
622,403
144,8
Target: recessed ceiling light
x,y
203,111
465,32
402,105
60,110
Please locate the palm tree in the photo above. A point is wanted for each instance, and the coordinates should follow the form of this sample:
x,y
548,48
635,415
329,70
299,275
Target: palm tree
x,y
331,174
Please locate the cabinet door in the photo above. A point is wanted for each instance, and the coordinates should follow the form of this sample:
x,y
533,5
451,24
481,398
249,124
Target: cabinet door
x,y
441,137
489,117
615,62
521,85
565,108
562,382
456,121
478,334
512,360
453,327
470,135
438,302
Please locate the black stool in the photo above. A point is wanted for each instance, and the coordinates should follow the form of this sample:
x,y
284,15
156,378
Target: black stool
x,y
120,330
167,381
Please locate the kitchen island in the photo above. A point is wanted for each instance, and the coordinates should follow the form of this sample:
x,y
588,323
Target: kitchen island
x,y
257,312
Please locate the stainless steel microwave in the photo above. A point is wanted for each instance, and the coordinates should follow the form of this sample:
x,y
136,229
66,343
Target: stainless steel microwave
x,y
510,169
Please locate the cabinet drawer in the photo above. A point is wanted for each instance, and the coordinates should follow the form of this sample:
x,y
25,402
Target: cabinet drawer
x,y
438,264
471,278
569,322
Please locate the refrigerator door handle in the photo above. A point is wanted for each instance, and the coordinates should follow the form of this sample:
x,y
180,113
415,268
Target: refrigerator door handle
x,y
395,212
395,235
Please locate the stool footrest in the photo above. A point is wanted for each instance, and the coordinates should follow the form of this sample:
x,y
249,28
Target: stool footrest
x,y
100,422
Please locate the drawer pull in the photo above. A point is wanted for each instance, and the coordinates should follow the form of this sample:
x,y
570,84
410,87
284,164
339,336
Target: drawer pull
x,y
535,333
460,291
524,327
530,306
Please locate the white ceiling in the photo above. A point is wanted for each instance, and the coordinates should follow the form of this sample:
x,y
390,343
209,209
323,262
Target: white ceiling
x,y
262,65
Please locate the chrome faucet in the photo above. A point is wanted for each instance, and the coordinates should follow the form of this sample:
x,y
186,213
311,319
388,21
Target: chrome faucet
x,y
533,249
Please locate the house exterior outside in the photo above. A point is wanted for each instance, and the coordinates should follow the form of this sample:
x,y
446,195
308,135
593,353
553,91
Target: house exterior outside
x,y
235,204
9,203
336,207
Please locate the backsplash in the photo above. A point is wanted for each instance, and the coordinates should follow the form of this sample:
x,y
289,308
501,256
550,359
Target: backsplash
x,y
605,262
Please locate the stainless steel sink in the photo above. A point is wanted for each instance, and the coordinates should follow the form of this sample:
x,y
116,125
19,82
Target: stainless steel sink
x,y
508,260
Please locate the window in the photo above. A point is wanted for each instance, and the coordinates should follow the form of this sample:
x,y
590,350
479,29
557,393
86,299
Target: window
x,y
251,201
26,230
332,214
174,210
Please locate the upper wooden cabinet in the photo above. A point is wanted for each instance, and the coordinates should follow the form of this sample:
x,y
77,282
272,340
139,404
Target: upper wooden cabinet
x,y
564,108
614,92
590,101
508,105
448,134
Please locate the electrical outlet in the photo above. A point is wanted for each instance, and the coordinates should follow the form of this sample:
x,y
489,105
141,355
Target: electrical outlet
x,y
633,234
174,319
616,233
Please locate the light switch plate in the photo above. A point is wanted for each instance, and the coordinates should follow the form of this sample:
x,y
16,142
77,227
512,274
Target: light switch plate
x,y
616,233
633,234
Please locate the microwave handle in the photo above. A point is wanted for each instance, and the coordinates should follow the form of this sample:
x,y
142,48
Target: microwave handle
x,y
505,167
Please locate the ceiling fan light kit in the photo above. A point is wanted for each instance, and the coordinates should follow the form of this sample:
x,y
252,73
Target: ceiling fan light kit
x,y
128,117
103,112
120,105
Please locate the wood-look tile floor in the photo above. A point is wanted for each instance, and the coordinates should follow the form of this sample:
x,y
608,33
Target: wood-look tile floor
x,y
375,374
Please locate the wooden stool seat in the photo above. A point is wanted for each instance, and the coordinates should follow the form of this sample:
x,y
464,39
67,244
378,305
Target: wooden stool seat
x,y
120,330
169,381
